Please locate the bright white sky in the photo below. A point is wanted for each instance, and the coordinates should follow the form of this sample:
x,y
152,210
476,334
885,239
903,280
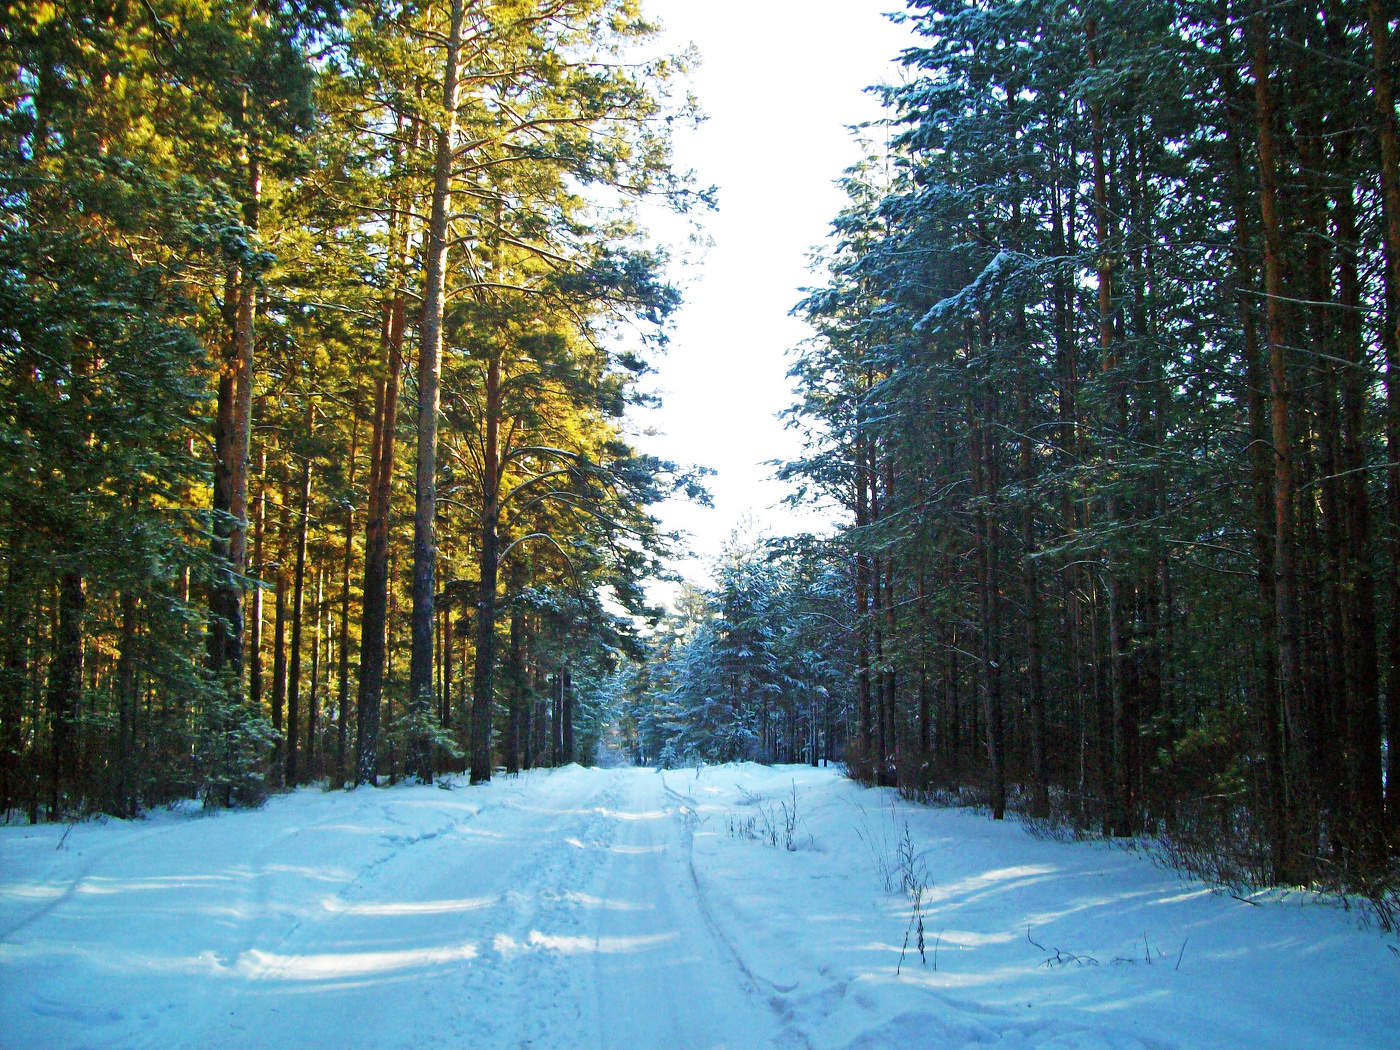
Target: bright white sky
x,y
780,81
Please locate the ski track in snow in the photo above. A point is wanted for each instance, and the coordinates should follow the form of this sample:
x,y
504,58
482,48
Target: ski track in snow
x,y
582,908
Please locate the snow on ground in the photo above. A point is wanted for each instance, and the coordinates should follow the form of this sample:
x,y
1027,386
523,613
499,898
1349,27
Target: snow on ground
x,y
631,908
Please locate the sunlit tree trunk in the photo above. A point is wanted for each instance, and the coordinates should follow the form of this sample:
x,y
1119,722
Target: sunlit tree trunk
x,y
346,563
488,567
374,615
420,672
232,439
298,602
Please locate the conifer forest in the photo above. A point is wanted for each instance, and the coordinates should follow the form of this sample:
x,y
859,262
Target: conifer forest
x,y
321,321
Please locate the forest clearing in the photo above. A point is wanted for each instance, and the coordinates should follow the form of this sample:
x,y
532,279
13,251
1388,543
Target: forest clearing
x,y
634,907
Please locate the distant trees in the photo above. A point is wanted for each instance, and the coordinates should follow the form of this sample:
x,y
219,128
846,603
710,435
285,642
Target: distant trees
x,y
253,260
1104,379
747,671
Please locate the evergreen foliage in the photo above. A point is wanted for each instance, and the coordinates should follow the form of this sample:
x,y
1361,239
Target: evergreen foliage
x,y
746,671
1105,380
212,221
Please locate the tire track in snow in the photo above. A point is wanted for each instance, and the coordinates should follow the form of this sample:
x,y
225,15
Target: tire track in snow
x,y
281,946
457,913
531,958
662,879
77,882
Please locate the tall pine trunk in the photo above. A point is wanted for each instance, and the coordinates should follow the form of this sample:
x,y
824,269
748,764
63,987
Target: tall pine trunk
x,y
1119,779
347,559
374,615
232,439
255,626
516,674
1383,93
16,609
1358,585
65,692
1280,432
420,670
570,755
298,596
1260,459
124,788
1030,587
488,567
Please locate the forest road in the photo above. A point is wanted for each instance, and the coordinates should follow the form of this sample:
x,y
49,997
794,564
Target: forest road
x,y
564,913
581,909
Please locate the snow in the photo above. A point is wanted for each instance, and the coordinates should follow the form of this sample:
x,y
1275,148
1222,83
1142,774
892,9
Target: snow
x,y
636,908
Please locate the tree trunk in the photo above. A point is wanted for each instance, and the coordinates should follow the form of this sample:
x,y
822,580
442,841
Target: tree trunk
x,y
1122,800
1358,585
981,426
1070,452
864,766
313,705
343,680
13,678
516,672
1383,88
232,439
567,697
65,692
444,701
374,617
1285,615
298,596
124,788
1261,465
279,669
1030,586
488,567
420,672
556,696
255,627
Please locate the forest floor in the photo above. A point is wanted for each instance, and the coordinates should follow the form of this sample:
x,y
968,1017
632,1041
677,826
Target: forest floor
x,y
639,909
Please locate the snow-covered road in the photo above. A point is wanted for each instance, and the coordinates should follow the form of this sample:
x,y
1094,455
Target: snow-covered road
x,y
636,909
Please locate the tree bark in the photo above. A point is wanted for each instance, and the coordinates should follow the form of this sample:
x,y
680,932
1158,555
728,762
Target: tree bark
x,y
1122,802
232,439
1358,585
374,618
65,691
516,673
865,765
279,671
1030,586
420,672
1285,613
488,568
556,697
1260,459
298,596
124,794
981,415
312,769
567,696
255,671
1383,93
343,681
13,678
